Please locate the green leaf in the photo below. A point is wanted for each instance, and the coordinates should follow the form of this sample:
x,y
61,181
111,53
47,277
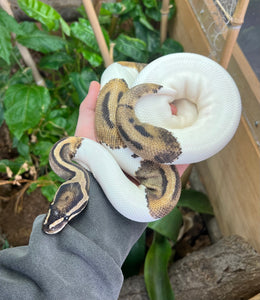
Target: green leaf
x,y
155,13
169,226
39,40
49,184
1,114
129,5
156,269
143,20
196,201
21,76
170,46
42,149
55,61
81,81
132,47
25,106
14,165
94,59
83,31
22,146
5,44
64,26
151,38
115,8
135,258
9,22
41,12
49,191
150,3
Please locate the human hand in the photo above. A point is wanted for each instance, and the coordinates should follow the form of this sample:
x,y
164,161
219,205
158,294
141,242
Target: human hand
x,y
86,120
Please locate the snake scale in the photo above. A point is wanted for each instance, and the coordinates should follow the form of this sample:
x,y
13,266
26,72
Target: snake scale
x,y
138,134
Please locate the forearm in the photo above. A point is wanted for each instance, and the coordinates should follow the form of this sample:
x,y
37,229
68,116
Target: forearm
x,y
82,262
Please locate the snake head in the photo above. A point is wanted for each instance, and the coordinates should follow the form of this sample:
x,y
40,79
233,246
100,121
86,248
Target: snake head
x,y
54,221
68,202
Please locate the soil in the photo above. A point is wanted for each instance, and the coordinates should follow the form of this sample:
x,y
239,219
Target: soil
x,y
16,223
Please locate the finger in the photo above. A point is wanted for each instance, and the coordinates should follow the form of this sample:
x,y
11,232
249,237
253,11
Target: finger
x,y
86,121
181,168
89,103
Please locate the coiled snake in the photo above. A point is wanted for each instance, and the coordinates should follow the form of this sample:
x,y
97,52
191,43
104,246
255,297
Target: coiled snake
x,y
138,133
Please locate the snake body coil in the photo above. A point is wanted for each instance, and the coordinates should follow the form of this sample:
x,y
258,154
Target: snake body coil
x,y
138,133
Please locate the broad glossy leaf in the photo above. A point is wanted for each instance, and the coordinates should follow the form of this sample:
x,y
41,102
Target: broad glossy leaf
x,y
112,8
84,32
38,40
151,38
64,26
128,6
169,226
55,61
156,269
81,81
9,22
41,12
155,13
196,201
25,106
93,58
143,20
132,47
150,3
5,44
49,191
170,46
135,258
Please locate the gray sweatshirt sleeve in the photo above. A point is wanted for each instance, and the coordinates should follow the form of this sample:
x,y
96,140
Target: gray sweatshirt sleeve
x,y
81,262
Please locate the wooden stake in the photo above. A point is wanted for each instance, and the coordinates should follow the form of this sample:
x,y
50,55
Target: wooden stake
x,y
98,32
26,55
236,22
164,20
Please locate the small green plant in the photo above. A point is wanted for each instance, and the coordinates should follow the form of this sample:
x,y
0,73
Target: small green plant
x,y
68,57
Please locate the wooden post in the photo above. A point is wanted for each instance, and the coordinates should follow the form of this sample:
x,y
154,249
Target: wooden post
x,y
98,32
236,21
164,20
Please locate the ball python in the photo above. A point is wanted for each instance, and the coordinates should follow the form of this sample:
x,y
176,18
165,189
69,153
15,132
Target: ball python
x,y
139,135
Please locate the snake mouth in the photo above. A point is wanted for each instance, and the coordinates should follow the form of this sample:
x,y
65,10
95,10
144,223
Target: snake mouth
x,y
55,227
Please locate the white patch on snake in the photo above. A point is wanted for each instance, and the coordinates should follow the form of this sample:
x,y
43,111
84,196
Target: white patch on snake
x,y
125,159
115,71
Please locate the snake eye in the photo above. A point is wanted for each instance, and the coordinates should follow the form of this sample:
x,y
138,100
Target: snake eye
x,y
66,218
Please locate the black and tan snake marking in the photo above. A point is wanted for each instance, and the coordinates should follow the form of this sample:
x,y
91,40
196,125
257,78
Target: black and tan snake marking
x,y
72,196
145,152
117,127
115,114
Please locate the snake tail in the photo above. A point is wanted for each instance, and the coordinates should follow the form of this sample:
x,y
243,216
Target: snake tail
x,y
72,196
162,186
